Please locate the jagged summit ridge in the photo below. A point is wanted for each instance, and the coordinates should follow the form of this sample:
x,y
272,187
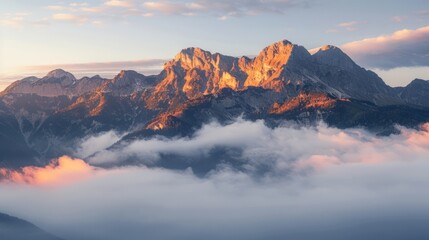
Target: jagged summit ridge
x,y
283,67
196,72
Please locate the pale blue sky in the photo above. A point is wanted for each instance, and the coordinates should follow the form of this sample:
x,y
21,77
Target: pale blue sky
x,y
42,32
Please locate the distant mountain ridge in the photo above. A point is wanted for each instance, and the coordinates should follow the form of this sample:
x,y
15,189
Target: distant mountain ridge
x,y
12,228
416,92
46,117
56,83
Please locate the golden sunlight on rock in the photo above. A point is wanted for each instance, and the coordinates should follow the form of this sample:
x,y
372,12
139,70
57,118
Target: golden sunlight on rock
x,y
304,101
194,72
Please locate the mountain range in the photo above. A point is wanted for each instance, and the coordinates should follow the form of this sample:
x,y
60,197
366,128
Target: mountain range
x,y
43,118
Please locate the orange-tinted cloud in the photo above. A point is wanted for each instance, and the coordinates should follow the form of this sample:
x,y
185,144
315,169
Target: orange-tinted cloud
x,y
404,48
119,3
60,171
68,17
349,26
418,139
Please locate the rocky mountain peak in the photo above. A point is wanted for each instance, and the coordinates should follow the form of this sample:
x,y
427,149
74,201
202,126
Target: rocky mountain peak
x,y
334,56
123,74
279,51
328,48
279,45
279,54
197,58
416,92
126,82
192,51
60,73
195,72
193,58
269,69
420,82
96,76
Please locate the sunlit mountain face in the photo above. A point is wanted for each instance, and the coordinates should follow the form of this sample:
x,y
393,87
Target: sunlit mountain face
x,y
284,85
302,141
121,135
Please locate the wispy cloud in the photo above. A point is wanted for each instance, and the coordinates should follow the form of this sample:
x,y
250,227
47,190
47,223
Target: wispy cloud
x,y
55,7
344,26
105,11
119,3
398,19
68,17
97,13
348,24
20,20
15,21
224,9
82,4
97,9
404,48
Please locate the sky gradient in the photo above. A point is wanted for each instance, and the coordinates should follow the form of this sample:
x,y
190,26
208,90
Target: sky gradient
x,y
105,36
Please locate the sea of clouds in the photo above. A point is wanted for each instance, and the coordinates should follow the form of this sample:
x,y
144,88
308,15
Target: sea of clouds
x,y
292,183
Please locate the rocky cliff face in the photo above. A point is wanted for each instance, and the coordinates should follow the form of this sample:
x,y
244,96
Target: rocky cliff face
x,y
280,67
46,117
338,70
279,64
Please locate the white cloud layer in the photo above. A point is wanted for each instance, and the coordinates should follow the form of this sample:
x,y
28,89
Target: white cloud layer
x,y
404,48
326,184
283,149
